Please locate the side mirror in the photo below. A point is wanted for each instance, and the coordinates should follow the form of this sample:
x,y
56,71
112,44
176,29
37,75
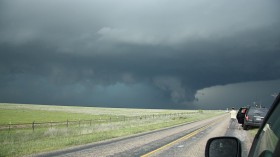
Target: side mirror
x,y
223,147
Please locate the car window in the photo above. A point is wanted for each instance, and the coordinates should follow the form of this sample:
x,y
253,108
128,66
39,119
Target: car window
x,y
258,111
270,134
251,111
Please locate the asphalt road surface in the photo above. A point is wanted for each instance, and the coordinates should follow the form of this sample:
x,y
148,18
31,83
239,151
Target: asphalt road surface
x,y
186,140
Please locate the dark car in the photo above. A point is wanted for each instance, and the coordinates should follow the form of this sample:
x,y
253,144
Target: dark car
x,y
266,142
254,117
241,115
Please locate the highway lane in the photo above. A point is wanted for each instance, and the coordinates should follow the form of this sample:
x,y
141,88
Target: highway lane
x,y
195,145
183,140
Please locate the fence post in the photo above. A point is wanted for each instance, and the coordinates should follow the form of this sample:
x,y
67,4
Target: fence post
x,y
10,126
33,125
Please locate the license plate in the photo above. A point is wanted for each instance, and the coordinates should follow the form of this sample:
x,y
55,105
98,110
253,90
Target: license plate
x,y
258,119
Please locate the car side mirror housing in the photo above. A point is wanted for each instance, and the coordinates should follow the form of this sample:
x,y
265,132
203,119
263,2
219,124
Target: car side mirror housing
x,y
223,147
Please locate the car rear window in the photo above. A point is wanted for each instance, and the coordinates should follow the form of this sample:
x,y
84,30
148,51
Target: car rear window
x,y
258,111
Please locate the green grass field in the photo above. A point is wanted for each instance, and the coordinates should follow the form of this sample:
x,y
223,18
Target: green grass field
x,y
19,141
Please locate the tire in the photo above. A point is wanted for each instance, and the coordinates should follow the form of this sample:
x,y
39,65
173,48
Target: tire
x,y
245,127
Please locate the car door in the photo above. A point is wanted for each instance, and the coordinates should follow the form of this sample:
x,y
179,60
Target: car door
x,y
240,115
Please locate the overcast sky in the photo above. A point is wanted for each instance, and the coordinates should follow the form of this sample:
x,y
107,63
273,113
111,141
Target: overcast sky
x,y
143,54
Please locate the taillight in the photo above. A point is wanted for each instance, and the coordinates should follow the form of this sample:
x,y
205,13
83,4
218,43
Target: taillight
x,y
247,118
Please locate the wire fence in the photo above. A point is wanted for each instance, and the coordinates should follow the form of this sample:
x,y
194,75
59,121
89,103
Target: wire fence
x,y
89,122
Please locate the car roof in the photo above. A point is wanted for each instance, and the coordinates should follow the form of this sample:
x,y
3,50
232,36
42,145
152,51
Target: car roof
x,y
258,108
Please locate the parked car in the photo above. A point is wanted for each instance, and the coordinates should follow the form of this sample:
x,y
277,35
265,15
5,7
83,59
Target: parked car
x,y
266,142
254,117
241,115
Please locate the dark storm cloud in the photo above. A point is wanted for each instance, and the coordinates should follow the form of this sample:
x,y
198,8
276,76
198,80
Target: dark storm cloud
x,y
233,94
152,52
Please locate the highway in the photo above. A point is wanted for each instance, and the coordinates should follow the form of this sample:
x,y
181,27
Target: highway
x,y
183,140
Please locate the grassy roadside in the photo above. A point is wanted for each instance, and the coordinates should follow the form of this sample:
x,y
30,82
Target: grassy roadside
x,y
19,142
252,133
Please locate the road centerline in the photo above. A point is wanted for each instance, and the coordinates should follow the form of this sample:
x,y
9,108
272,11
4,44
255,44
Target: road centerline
x,y
187,136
